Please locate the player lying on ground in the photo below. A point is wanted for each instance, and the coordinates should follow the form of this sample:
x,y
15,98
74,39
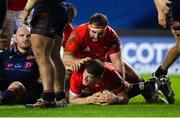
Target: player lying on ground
x,y
99,83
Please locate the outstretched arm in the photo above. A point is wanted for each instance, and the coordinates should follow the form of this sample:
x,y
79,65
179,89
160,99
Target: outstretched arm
x,y
72,63
117,62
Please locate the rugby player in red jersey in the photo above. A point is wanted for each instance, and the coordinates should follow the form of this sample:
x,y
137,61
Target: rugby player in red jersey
x,y
99,83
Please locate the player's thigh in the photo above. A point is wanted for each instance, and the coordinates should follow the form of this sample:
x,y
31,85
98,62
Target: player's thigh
x,y
42,45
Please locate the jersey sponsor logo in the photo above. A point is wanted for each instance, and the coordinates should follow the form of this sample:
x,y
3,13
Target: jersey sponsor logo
x,y
145,54
22,66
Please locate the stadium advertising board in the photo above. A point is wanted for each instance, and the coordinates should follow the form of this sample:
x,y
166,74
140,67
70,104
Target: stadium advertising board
x,y
145,54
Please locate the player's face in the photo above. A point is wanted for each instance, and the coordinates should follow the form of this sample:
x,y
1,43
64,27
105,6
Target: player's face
x,y
23,38
89,78
96,33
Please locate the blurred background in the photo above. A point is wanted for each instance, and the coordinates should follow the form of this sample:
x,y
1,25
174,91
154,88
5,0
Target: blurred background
x,y
144,42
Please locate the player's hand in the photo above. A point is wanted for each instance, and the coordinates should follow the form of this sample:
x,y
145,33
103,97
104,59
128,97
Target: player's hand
x,y
78,64
162,19
94,99
107,97
163,5
103,98
24,16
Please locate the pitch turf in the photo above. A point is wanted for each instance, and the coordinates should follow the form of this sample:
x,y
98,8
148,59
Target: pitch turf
x,y
136,108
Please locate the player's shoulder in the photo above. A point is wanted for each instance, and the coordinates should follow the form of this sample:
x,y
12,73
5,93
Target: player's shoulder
x,y
111,31
81,27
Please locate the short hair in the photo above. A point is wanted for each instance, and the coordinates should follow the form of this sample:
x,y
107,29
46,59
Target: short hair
x,y
72,11
95,67
98,19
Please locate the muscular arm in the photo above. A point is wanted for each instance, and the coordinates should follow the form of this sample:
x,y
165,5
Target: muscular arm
x,y
117,62
69,58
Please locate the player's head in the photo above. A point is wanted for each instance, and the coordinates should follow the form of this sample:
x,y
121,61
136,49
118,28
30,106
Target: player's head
x,y
93,71
23,38
72,12
97,26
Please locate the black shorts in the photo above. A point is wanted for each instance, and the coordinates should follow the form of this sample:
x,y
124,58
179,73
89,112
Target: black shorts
x,y
49,18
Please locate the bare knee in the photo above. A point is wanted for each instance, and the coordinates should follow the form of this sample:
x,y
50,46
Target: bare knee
x,y
17,87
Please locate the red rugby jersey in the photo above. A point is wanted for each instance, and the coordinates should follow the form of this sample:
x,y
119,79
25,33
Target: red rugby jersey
x,y
110,81
67,31
16,5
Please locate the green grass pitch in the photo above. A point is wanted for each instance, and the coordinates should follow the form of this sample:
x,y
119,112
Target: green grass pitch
x,y
136,108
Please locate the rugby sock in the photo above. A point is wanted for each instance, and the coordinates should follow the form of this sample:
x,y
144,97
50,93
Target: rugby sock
x,y
148,91
159,72
60,96
7,96
139,88
48,96
135,89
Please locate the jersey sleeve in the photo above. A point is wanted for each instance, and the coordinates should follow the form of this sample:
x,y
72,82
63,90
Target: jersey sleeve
x,y
75,84
67,31
73,43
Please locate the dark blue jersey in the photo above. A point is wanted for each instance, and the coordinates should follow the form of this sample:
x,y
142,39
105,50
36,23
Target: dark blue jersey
x,y
15,66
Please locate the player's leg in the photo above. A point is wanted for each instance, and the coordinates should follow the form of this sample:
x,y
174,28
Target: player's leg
x,y
59,72
42,45
60,22
170,58
34,91
14,94
42,48
141,87
132,77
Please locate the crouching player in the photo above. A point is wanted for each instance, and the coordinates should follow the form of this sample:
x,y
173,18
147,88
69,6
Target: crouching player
x,y
98,83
